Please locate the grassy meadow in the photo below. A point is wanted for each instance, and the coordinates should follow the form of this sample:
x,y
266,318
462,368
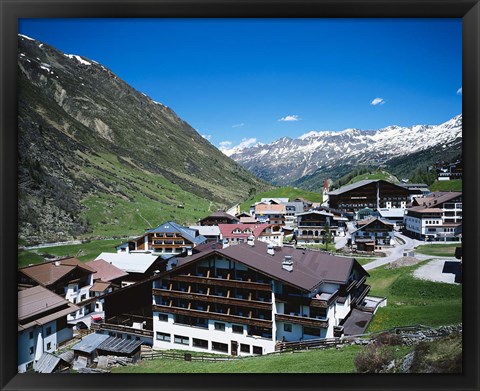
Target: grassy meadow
x,y
438,250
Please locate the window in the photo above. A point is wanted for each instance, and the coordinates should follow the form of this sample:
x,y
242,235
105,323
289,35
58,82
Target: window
x,y
163,317
237,329
257,350
219,326
83,297
200,343
30,335
287,327
182,340
220,347
163,337
31,350
49,330
311,331
49,345
244,348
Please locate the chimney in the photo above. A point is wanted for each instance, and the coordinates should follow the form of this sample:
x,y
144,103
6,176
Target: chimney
x,y
270,250
57,263
251,240
189,251
287,263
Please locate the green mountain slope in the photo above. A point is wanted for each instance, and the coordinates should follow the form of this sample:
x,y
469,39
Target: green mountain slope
x,y
97,157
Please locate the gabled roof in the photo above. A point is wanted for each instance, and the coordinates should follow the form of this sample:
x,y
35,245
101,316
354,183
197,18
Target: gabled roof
x,y
365,223
358,184
35,306
227,230
220,214
437,198
207,230
90,343
310,268
47,363
130,262
48,273
105,271
172,227
276,200
270,208
316,212
100,286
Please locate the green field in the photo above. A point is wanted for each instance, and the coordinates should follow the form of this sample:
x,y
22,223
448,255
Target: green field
x,y
438,250
453,185
376,175
413,301
312,361
282,192
84,252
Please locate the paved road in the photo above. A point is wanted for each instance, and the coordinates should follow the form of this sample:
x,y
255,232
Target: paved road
x,y
406,244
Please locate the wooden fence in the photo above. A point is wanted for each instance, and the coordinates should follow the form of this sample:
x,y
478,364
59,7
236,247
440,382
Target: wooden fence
x,y
186,356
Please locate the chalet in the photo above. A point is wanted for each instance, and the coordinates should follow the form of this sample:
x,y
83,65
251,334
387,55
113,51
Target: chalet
x,y
240,233
244,299
219,218
167,239
368,193
106,279
67,277
42,324
373,230
270,213
312,225
291,210
436,217
137,266
449,171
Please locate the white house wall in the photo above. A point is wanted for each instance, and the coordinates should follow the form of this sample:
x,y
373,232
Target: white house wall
x,y
210,335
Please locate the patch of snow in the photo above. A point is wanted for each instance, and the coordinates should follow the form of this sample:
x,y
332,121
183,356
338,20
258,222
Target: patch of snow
x,y
24,36
78,58
40,46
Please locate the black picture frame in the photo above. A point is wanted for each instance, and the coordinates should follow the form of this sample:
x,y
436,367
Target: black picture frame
x,y
11,10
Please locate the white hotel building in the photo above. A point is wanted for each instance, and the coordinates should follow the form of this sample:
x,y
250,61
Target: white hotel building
x,y
243,299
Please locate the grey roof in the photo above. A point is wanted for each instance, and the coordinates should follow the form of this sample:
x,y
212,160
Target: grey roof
x,y
67,356
358,184
130,262
119,345
316,212
188,233
90,343
46,363
310,268
207,230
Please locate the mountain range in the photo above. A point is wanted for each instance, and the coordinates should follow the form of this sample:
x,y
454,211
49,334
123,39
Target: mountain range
x,y
97,157
325,154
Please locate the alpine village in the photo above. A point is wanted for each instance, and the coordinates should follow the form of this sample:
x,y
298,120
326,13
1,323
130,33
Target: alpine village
x,y
143,248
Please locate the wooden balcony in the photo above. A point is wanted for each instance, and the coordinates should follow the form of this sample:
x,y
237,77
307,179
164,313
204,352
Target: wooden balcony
x,y
303,320
121,329
223,282
307,301
359,299
189,296
213,315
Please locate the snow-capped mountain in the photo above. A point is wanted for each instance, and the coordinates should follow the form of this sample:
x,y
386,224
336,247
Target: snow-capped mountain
x,y
286,160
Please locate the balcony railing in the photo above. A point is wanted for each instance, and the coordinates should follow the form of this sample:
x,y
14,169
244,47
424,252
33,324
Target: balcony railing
x,y
303,320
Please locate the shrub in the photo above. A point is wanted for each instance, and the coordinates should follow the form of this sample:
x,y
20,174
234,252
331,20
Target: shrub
x,y
388,339
373,359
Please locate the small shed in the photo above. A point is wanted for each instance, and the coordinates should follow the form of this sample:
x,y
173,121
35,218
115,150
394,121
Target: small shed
x,y
49,363
365,245
120,347
87,347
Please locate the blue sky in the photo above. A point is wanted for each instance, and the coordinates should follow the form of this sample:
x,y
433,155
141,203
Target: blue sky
x,y
256,80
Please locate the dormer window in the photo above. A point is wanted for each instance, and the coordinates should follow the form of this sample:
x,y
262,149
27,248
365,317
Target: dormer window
x,y
237,231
